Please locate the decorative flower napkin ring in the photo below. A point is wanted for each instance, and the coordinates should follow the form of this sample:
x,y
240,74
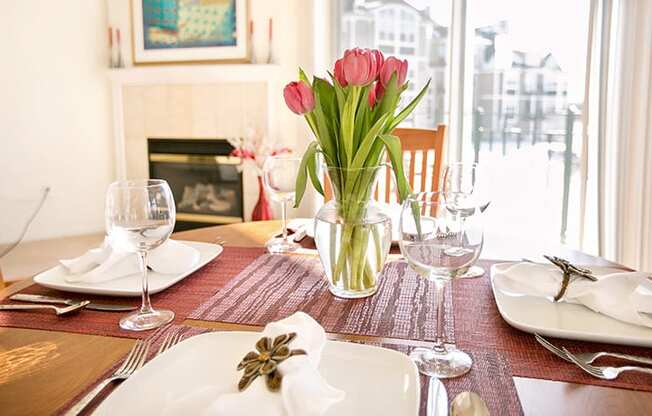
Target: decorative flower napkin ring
x,y
568,269
265,362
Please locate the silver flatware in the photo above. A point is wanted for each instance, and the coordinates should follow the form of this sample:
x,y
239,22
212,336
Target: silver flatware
x,y
58,310
135,359
299,234
91,305
437,398
169,341
605,373
589,357
468,403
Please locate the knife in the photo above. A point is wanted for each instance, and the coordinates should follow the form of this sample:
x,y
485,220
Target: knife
x,y
437,404
95,306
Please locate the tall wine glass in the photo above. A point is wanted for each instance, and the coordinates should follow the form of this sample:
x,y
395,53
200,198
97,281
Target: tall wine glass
x,y
140,216
468,184
280,175
438,240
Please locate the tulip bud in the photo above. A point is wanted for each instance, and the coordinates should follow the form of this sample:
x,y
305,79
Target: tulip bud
x,y
339,73
393,65
357,67
376,94
299,97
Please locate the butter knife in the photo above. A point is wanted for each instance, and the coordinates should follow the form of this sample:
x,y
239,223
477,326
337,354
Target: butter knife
x,y
95,306
437,404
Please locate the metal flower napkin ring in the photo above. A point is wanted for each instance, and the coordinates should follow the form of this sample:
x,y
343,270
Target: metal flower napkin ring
x,y
568,269
265,362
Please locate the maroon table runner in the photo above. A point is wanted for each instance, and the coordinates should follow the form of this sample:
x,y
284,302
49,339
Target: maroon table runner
x,y
275,286
490,378
182,298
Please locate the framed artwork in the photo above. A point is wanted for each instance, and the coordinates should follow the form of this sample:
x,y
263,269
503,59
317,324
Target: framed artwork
x,y
189,30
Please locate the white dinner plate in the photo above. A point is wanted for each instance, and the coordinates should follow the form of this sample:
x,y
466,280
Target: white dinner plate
x,y
377,381
128,285
564,320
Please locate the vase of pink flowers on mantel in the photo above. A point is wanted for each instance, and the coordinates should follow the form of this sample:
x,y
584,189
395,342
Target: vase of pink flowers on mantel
x,y
253,150
352,116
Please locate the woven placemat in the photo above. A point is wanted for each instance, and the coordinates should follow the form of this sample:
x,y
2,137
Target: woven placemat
x,y
490,377
182,298
478,325
156,339
274,287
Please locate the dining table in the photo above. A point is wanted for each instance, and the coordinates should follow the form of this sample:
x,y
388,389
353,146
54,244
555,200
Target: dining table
x,y
42,370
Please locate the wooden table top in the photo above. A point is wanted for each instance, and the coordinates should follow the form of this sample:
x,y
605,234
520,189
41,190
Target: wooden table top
x,y
41,370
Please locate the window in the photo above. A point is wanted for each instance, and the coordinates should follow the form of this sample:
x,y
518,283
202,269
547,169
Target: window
x,y
523,92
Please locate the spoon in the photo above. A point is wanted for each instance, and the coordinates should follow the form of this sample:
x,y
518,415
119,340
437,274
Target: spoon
x,y
468,403
56,309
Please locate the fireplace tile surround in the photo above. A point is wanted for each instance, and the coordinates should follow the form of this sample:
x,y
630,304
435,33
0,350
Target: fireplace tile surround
x,y
197,102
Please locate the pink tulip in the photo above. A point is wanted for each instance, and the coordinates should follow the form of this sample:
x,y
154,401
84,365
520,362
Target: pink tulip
x,y
299,97
393,65
357,67
380,59
339,73
376,94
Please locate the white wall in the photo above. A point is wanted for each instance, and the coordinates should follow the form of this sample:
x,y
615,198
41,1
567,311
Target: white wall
x,y
54,116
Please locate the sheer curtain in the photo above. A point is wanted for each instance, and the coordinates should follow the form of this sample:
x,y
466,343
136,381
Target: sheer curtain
x,y
627,189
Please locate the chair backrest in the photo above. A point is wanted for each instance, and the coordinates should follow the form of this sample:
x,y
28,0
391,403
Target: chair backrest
x,y
422,162
2,281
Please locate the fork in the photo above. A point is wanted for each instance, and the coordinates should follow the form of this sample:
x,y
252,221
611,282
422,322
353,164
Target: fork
x,y
135,359
169,341
605,373
589,357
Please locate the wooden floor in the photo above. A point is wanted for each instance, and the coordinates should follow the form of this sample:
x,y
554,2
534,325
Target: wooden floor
x,y
32,257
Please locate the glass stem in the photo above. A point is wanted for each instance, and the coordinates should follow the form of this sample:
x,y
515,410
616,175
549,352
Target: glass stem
x,y
284,216
440,285
146,307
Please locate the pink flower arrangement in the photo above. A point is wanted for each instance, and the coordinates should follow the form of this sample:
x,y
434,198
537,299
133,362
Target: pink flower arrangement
x,y
253,149
352,116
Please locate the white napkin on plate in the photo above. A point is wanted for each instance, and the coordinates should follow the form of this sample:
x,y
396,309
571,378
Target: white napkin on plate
x,y
304,392
620,295
106,263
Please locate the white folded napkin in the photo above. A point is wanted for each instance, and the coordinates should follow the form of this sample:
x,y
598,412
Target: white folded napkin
x,y
106,263
621,295
304,392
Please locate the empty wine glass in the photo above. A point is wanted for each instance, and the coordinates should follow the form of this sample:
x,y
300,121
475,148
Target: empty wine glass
x,y
140,216
438,240
468,184
280,175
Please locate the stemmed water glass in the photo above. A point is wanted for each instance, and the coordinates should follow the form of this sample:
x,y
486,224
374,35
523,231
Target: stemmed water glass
x,y
468,184
438,240
279,176
140,216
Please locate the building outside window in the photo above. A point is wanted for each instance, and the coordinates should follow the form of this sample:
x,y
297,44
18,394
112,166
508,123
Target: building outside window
x,y
524,86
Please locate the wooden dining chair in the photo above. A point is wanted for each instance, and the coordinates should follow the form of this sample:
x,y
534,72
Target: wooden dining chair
x,y
422,163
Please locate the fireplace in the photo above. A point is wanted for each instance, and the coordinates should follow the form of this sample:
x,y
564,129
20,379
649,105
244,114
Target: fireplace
x,y
205,180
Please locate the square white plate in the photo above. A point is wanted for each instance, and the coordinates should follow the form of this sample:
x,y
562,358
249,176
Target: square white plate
x,y
128,285
564,320
377,381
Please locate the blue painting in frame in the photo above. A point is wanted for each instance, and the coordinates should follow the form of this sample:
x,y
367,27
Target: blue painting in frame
x,y
187,30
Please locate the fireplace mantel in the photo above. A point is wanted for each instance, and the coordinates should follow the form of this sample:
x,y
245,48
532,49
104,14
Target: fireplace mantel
x,y
184,75
192,74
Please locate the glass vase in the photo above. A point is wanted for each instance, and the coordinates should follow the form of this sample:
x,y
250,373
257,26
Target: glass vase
x,y
352,234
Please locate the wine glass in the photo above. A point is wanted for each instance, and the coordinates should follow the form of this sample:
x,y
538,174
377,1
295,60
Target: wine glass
x,y
438,240
140,216
467,184
280,175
